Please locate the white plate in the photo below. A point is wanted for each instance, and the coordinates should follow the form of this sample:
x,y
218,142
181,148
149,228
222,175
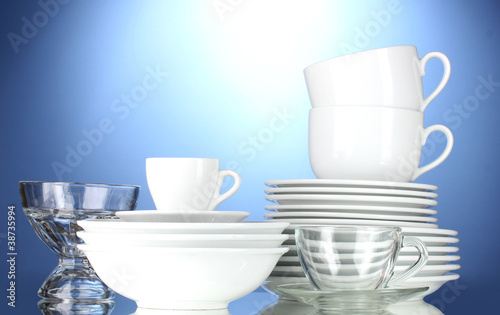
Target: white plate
x,y
184,240
410,231
351,200
434,283
426,271
245,227
355,222
431,260
354,209
324,215
351,191
403,260
182,216
405,251
348,183
428,240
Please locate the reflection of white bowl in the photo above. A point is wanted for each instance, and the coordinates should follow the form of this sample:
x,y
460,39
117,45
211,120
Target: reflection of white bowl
x,y
182,278
184,240
182,216
247,227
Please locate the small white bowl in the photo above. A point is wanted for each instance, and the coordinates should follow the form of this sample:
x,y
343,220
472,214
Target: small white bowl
x,y
118,226
182,278
185,240
182,216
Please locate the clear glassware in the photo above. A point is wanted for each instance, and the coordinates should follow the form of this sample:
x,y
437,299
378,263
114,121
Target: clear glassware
x,y
354,257
53,208
72,307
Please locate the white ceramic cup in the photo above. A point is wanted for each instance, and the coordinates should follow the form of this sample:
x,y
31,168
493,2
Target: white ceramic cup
x,y
188,183
390,76
370,143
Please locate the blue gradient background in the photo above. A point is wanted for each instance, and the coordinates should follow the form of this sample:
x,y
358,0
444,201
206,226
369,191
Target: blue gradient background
x,y
226,80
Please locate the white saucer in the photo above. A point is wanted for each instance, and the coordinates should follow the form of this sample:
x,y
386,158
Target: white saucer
x,y
324,215
296,199
348,183
182,216
383,210
245,227
352,191
356,222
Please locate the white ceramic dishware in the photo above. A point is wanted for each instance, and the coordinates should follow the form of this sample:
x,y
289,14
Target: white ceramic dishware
x,y
247,227
352,191
403,260
184,240
350,272
433,282
353,209
370,251
390,76
317,199
188,183
182,278
349,183
370,143
351,222
342,215
182,216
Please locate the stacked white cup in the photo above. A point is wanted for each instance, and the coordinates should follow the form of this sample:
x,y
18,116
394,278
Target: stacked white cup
x,y
367,120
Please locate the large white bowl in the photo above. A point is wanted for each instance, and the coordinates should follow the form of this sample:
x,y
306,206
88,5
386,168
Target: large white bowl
x,y
182,278
246,227
185,240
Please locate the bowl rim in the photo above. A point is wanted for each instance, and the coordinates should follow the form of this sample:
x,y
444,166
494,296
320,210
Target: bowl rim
x,y
133,250
75,183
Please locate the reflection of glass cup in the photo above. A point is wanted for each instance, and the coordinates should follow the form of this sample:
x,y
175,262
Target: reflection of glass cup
x,y
52,209
188,183
354,257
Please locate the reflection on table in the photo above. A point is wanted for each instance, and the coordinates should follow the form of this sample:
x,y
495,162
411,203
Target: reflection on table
x,y
144,311
94,307
287,307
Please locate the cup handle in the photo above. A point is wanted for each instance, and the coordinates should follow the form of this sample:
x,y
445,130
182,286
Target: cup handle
x,y
417,266
218,198
447,150
444,79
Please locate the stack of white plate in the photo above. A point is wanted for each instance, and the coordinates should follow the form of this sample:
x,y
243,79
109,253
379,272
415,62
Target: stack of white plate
x,y
362,202
200,262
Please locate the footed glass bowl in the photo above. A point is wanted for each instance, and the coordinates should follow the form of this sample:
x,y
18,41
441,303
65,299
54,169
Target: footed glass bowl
x,y
52,209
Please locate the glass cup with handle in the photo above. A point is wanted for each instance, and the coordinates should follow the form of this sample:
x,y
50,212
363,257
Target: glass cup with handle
x,y
355,257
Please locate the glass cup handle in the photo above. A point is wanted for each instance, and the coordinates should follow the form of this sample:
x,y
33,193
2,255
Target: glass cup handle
x,y
218,198
419,264
444,79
